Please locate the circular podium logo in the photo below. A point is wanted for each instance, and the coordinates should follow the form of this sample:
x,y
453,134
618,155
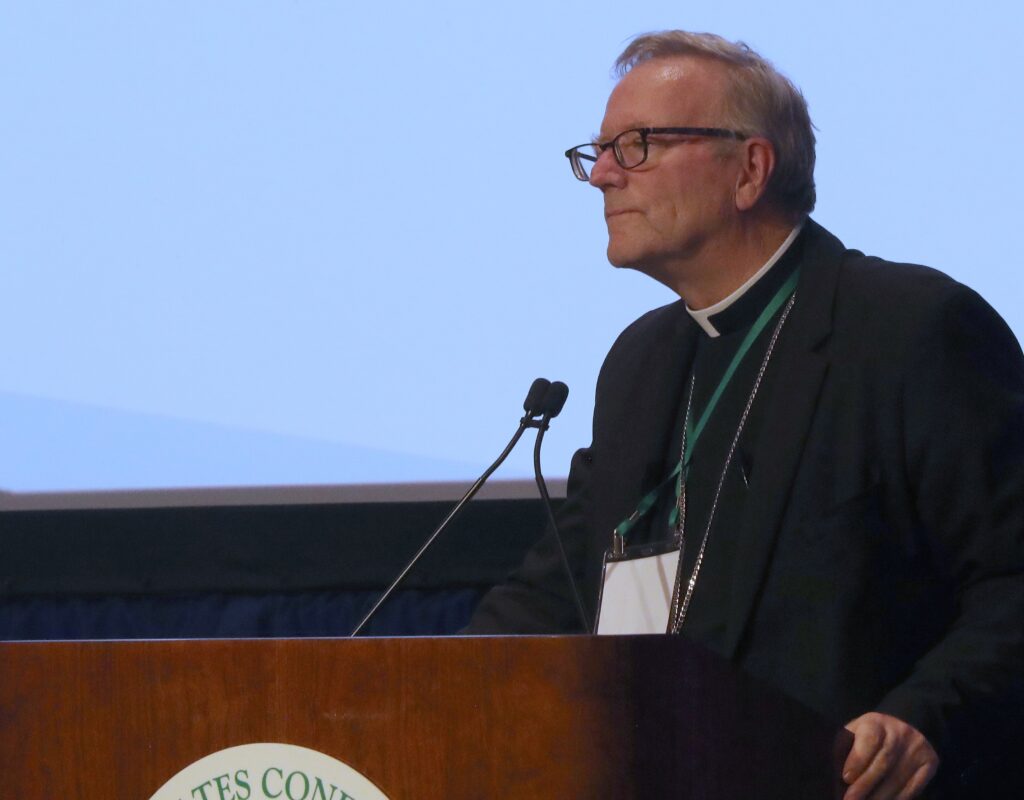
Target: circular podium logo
x,y
268,771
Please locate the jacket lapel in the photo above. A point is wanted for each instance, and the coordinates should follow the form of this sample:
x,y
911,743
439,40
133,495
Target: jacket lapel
x,y
800,370
648,398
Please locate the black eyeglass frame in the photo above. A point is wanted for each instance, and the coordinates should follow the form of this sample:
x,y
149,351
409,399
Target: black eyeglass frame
x,y
576,154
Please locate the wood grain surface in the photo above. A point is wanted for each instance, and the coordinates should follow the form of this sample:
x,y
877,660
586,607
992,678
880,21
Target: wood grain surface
x,y
423,718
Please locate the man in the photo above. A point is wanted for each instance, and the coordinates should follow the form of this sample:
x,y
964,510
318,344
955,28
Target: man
x,y
849,512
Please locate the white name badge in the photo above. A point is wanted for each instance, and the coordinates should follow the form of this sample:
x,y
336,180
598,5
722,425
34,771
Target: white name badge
x,y
636,589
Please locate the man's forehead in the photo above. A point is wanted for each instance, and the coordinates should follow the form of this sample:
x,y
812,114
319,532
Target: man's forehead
x,y
669,68
658,91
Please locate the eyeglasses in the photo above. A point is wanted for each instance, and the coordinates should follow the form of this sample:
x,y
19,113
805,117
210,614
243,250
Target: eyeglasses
x,y
630,147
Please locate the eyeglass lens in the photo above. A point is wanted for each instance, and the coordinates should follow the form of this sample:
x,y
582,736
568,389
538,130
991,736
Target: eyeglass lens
x,y
629,147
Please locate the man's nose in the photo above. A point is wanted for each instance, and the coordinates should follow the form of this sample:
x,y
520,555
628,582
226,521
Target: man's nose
x,y
606,171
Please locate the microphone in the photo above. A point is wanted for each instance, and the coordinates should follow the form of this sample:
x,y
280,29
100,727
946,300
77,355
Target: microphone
x,y
533,404
554,400
537,404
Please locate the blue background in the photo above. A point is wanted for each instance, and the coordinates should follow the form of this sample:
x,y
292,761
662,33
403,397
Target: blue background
x,y
306,242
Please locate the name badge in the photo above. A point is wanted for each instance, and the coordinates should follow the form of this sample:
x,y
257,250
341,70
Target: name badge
x,y
636,589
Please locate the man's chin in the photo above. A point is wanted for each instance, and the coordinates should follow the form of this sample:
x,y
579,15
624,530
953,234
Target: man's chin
x,y
649,267
619,257
623,260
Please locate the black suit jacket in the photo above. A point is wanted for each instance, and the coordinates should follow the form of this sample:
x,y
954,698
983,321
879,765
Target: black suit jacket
x,y
880,564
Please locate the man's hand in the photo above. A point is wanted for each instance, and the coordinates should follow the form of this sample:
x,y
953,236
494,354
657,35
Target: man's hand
x,y
890,760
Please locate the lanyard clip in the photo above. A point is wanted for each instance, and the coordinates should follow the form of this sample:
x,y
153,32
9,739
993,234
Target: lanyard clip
x,y
618,544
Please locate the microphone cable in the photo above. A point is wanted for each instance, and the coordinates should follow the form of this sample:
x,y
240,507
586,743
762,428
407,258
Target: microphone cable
x,y
554,400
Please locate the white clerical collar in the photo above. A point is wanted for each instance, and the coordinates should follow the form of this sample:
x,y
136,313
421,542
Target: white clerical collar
x,y
703,316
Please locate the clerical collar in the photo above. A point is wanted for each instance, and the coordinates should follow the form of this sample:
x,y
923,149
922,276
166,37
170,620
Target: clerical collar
x,y
732,313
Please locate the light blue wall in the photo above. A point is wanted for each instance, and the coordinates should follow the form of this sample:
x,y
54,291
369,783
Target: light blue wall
x,y
287,241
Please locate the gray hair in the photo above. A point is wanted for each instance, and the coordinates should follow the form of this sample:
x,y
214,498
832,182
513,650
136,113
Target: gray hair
x,y
761,101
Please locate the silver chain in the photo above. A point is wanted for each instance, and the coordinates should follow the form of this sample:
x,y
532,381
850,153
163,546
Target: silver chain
x,y
679,608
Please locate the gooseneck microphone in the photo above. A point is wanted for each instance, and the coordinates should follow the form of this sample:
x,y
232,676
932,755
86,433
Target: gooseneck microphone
x,y
536,405
553,401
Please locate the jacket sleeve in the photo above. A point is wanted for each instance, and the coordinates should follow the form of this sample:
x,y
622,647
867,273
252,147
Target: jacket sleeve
x,y
963,417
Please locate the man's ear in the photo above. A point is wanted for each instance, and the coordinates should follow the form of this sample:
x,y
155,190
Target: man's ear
x,y
756,167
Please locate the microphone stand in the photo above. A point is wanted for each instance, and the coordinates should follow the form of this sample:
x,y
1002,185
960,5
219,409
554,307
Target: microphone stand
x,y
526,422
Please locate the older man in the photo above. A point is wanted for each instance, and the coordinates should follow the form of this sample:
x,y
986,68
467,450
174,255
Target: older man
x,y
833,444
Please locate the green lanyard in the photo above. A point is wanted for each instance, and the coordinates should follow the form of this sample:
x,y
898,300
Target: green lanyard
x,y
693,432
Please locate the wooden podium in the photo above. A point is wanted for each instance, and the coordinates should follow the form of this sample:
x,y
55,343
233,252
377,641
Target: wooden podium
x,y
475,718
